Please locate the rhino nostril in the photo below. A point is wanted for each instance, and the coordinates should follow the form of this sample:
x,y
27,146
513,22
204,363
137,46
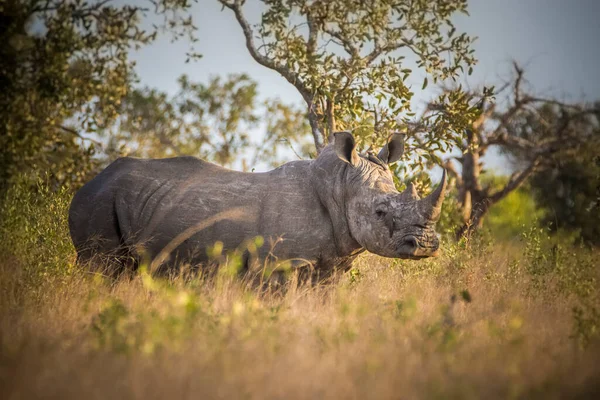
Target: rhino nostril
x,y
411,241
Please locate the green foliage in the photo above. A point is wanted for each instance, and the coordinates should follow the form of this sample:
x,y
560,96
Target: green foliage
x,y
558,268
184,313
504,221
34,230
451,217
355,275
350,61
286,127
466,296
566,183
64,69
517,210
109,329
569,189
586,327
406,309
123,330
540,262
213,121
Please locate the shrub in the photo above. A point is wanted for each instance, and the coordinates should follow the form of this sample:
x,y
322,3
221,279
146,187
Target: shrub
x,y
34,230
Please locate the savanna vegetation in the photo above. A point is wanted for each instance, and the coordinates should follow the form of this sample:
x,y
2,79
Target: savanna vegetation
x,y
511,308
497,318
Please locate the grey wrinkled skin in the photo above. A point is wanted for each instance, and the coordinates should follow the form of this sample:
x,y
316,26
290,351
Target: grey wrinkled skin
x,y
321,212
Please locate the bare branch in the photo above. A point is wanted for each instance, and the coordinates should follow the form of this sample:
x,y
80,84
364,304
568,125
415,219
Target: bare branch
x,y
75,133
449,165
515,181
501,137
518,81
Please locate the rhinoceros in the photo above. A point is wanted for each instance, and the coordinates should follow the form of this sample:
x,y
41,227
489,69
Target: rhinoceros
x,y
320,213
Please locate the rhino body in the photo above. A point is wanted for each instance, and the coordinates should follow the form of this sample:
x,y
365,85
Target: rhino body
x,y
321,212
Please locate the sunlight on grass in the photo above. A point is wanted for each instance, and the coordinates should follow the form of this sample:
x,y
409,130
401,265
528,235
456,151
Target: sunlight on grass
x,y
487,319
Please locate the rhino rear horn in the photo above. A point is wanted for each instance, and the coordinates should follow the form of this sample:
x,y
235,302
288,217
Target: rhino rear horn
x,y
410,192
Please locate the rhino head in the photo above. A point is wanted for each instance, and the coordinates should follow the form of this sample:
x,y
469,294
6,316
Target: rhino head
x,y
381,219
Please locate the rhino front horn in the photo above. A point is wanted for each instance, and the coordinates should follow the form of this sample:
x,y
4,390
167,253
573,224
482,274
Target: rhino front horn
x,y
432,204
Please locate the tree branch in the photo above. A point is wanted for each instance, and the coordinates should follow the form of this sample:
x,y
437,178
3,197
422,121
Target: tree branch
x,y
75,133
345,43
502,138
515,181
287,73
313,120
311,43
518,80
449,165
379,50
290,76
330,116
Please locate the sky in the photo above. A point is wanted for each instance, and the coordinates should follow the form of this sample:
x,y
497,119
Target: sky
x,y
556,40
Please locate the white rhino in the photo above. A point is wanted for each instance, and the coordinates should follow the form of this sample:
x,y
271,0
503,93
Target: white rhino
x,y
321,212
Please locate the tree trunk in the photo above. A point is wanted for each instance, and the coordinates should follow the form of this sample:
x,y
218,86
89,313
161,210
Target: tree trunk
x,y
475,219
482,200
313,119
473,200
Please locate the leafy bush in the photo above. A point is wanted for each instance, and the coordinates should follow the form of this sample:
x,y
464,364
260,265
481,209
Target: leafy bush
x,y
34,229
567,271
507,218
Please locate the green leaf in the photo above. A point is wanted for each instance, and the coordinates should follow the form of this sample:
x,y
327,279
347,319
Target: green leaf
x,y
466,296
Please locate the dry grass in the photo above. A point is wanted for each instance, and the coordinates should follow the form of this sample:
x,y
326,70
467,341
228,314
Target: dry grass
x,y
391,331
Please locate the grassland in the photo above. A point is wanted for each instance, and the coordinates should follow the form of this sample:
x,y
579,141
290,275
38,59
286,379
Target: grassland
x,y
487,319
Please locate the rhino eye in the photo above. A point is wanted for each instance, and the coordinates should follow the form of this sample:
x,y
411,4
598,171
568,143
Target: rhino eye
x,y
380,213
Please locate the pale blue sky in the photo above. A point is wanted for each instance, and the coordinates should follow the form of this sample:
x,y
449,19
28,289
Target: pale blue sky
x,y
556,40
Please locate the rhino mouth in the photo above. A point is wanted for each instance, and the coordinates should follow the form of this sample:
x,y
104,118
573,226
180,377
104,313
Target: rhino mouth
x,y
412,249
411,257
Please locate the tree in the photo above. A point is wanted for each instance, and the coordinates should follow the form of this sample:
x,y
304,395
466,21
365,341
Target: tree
x,y
567,182
64,69
213,121
529,128
347,59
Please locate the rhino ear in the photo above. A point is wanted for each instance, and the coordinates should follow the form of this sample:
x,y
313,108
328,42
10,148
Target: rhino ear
x,y
345,147
393,150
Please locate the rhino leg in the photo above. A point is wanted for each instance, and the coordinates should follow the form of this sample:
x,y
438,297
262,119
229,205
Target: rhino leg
x,y
112,263
329,273
104,251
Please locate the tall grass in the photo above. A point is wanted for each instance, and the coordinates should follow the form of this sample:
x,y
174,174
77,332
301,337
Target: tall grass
x,y
486,320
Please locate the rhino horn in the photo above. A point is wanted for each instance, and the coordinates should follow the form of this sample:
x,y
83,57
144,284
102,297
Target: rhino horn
x,y
432,204
410,192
